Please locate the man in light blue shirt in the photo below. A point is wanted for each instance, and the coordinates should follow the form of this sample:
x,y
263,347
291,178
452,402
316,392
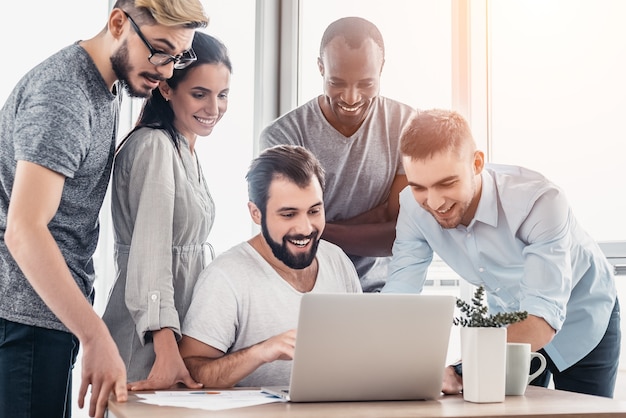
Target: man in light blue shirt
x,y
512,230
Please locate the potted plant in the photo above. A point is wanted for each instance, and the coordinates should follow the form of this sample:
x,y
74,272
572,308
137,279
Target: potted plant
x,y
483,348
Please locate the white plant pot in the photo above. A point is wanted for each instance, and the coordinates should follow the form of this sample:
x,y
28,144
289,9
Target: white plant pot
x,y
483,351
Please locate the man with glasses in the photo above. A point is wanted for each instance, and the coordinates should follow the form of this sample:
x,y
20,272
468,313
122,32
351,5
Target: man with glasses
x,y
161,58
57,136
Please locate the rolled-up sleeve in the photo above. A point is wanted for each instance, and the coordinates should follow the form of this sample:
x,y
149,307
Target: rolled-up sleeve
x,y
547,280
149,284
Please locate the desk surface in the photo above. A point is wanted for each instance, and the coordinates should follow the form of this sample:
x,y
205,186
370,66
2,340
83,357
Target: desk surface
x,y
537,403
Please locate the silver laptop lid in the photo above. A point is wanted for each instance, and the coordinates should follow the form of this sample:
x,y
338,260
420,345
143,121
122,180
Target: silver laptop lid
x,y
371,346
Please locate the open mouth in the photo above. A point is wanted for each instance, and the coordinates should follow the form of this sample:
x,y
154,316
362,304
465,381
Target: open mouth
x,y
350,109
300,243
153,81
204,121
444,211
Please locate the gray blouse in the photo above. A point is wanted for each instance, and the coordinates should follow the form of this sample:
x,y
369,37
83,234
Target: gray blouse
x,y
162,214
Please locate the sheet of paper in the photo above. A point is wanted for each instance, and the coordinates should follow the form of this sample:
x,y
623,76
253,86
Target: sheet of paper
x,y
208,399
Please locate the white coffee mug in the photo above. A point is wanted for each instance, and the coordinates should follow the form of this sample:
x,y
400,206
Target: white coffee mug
x,y
518,358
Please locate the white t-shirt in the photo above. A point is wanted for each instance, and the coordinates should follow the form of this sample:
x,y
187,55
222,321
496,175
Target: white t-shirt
x,y
240,300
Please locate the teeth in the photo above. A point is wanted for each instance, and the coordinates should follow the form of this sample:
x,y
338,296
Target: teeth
x,y
205,121
444,211
300,242
349,109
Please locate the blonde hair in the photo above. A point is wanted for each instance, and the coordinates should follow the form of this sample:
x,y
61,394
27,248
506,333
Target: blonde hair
x,y
187,13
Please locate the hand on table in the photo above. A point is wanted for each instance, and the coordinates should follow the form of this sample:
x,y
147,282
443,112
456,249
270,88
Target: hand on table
x,y
452,382
165,374
104,370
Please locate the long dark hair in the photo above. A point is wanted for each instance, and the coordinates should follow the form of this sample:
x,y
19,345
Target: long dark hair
x,y
156,111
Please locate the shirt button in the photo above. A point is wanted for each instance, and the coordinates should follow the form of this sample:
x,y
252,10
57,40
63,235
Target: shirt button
x,y
153,297
481,270
468,235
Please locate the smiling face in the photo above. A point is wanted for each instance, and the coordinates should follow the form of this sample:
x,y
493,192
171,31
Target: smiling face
x,y
351,82
292,222
447,185
200,100
130,61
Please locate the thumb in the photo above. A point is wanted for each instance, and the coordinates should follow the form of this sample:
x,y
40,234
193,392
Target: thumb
x,y
190,383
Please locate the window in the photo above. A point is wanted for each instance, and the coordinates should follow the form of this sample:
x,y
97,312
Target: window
x,y
559,99
417,37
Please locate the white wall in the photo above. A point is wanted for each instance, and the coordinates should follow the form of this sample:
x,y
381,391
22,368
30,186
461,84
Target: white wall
x,y
417,36
559,98
227,152
35,29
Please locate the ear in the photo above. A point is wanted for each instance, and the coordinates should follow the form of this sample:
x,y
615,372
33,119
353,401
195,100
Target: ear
x,y
165,89
479,162
255,213
117,22
320,66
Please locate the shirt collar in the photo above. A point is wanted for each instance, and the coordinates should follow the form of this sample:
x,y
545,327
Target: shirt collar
x,y
487,210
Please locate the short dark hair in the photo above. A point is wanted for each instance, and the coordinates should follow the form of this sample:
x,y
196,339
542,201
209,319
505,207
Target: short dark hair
x,y
354,30
292,162
430,132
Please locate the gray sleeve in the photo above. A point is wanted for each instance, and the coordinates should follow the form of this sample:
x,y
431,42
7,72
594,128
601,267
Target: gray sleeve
x,y
51,130
275,134
290,129
151,190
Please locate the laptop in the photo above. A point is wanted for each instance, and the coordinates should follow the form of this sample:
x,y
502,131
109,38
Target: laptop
x,y
369,347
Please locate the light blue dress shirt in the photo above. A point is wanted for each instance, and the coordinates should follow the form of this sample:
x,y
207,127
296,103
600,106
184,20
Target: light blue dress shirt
x,y
526,247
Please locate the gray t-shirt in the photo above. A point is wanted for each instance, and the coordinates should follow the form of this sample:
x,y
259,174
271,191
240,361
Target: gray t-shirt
x,y
240,300
62,116
359,169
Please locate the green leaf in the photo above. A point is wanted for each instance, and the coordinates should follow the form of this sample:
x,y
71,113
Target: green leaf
x,y
477,314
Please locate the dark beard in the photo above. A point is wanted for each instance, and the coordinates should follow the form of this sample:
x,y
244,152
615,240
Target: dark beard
x,y
280,251
119,63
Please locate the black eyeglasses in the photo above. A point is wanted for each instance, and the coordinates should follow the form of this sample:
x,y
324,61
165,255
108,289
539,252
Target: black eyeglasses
x,y
161,58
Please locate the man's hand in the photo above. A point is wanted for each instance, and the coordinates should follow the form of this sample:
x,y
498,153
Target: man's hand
x,y
452,382
215,369
278,347
104,370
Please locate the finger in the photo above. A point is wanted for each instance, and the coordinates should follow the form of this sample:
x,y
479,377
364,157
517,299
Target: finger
x,y
101,405
151,384
95,390
138,385
84,385
191,384
120,391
